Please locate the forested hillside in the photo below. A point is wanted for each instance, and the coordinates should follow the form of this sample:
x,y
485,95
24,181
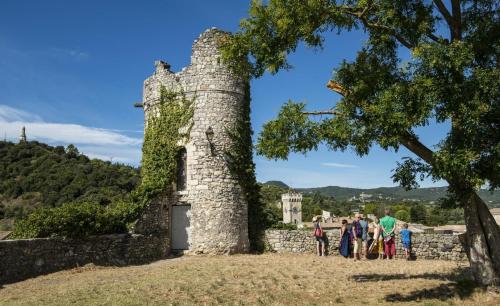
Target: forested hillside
x,y
34,174
396,194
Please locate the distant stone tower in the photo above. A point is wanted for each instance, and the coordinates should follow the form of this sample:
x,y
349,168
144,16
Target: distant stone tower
x,y
292,207
209,213
22,138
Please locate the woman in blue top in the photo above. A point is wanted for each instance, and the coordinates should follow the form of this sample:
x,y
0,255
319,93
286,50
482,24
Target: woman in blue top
x,y
406,240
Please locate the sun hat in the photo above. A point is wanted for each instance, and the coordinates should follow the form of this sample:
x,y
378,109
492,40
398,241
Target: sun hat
x,y
315,218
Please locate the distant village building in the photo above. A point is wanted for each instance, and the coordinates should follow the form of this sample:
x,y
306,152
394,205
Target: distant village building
x,y
22,138
292,207
364,196
327,216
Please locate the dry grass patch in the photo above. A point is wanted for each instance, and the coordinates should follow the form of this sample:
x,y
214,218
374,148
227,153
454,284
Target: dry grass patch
x,y
269,279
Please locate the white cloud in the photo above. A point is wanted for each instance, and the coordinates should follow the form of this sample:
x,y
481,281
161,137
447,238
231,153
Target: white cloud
x,y
69,53
338,165
10,114
97,142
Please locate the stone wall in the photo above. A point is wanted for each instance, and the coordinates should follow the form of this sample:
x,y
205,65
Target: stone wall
x,y
21,259
424,246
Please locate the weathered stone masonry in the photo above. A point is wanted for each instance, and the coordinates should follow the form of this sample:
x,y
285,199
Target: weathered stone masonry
x,y
424,246
21,259
219,216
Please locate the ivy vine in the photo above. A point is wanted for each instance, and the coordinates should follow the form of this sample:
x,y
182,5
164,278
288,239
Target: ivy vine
x,y
168,123
240,157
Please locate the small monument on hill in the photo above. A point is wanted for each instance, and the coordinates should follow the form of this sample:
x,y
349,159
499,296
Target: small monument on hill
x,y
22,138
292,207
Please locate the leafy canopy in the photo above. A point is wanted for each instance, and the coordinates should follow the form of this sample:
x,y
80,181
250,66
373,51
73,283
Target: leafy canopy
x,y
452,78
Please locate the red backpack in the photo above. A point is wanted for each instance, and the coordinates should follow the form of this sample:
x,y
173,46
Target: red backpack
x,y
318,231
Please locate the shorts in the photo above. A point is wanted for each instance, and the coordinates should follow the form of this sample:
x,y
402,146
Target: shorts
x,y
406,245
320,239
389,246
357,245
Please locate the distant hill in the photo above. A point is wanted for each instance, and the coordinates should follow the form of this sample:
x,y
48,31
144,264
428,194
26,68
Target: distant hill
x,y
390,194
277,184
34,174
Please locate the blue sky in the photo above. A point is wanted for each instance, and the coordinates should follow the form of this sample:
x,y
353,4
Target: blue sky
x,y
71,70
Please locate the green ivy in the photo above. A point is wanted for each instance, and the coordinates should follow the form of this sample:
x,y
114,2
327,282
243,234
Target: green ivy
x,y
162,136
167,125
241,165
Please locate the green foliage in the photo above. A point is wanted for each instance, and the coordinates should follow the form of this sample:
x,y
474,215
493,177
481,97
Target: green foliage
x,y
36,175
402,215
418,214
76,220
165,127
370,208
453,79
284,226
94,210
310,209
240,161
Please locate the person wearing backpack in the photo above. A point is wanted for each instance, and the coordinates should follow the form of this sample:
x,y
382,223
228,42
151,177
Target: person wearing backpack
x,y
357,232
363,222
319,235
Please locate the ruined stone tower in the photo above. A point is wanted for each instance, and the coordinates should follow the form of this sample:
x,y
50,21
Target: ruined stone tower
x,y
209,213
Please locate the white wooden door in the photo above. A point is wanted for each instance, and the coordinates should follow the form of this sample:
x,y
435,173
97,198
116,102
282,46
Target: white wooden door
x,y
181,215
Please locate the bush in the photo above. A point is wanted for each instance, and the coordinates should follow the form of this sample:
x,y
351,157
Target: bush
x,y
402,215
77,220
284,226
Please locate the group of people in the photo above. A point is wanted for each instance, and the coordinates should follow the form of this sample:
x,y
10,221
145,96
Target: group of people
x,y
355,237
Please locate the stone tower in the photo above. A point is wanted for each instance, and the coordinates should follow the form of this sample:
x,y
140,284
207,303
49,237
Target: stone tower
x,y
22,138
209,213
292,207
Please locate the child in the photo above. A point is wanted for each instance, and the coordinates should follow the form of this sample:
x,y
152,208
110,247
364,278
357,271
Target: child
x,y
406,240
377,239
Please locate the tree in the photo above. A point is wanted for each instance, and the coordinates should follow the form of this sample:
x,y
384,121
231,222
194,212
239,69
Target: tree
x,y
418,213
370,208
402,215
452,77
72,151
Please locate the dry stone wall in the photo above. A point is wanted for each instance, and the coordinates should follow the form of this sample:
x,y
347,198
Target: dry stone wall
x,y
219,210
424,246
21,259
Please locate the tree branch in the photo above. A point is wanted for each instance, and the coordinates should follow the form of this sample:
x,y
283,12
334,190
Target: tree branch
x,y
414,145
329,112
457,18
361,16
444,11
454,21
336,87
437,39
407,139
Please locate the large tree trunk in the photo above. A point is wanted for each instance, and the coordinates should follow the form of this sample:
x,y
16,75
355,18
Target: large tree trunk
x,y
483,240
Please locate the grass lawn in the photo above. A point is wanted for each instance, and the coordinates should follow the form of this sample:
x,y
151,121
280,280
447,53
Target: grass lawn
x,y
269,279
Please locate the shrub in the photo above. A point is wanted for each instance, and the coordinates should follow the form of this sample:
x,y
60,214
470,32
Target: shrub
x,y
284,226
402,215
77,220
